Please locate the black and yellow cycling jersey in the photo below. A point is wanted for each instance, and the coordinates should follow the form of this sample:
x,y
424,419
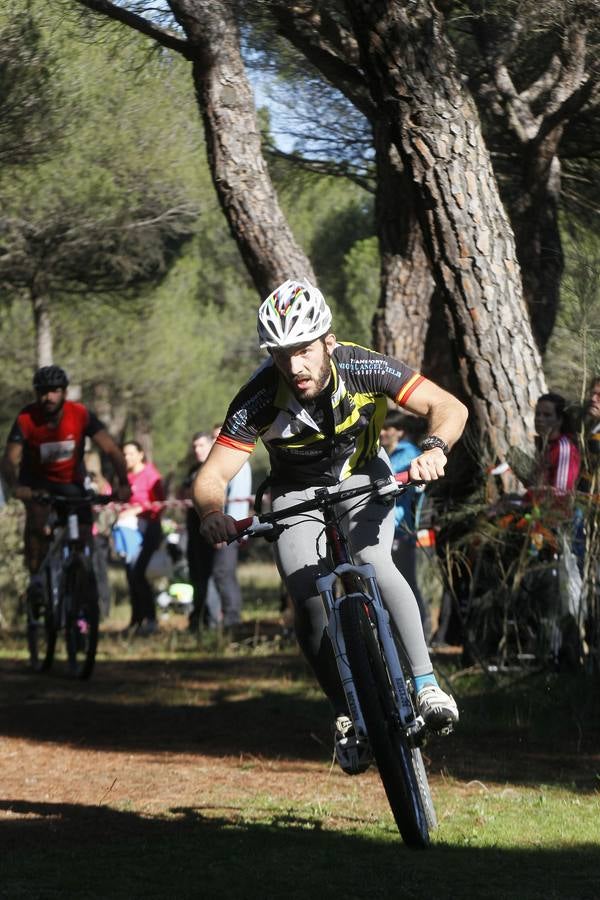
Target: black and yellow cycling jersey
x,y
324,440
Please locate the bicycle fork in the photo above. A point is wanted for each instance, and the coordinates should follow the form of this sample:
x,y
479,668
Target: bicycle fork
x,y
412,725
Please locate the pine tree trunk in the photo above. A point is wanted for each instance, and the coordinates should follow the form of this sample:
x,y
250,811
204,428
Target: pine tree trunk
x,y
434,124
401,320
113,415
537,235
238,168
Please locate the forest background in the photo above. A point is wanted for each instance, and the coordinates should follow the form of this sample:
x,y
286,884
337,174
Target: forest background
x,y
116,260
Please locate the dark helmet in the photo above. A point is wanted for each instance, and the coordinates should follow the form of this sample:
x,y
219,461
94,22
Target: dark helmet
x,y
49,378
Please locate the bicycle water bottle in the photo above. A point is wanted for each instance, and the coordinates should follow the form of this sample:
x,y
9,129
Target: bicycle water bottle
x,y
73,525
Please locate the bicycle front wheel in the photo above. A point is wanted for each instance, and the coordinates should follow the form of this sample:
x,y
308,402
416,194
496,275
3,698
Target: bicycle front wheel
x,y
81,618
41,627
400,765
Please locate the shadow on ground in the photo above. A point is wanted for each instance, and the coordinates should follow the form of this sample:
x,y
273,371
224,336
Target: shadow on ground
x,y
259,705
55,850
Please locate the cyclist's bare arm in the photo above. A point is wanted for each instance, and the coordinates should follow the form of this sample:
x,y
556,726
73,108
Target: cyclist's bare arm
x,y
447,418
11,463
209,492
104,441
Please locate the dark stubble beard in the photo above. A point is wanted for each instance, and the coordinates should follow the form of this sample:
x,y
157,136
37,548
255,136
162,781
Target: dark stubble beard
x,y
52,413
320,382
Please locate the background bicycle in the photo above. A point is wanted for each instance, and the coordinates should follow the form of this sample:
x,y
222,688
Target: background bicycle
x,y
65,597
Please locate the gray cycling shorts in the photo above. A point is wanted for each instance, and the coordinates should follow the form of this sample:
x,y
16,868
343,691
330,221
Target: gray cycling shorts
x,y
369,524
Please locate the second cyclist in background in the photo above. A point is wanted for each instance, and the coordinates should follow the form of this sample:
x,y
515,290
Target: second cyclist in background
x,y
45,455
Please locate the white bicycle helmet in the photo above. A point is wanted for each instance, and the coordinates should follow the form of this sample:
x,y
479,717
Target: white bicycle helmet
x,y
295,313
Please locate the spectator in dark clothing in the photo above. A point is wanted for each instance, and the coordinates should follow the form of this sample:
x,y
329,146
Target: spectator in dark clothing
x,y
199,552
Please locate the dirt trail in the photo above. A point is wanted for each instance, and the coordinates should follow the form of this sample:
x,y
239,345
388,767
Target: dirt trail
x,y
220,733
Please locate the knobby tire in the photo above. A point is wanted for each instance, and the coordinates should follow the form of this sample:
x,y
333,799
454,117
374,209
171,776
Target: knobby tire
x,y
400,765
82,618
41,627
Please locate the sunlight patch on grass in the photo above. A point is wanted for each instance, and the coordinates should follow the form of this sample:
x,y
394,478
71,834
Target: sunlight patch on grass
x,y
516,817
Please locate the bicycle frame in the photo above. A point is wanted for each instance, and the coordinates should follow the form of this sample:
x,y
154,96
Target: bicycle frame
x,y
413,725
360,582
65,541
378,694
70,602
348,573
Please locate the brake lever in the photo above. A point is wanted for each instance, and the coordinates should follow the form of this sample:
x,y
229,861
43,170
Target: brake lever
x,y
269,530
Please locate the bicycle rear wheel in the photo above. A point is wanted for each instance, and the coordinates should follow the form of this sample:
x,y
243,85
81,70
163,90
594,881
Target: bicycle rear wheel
x,y
400,765
81,618
41,627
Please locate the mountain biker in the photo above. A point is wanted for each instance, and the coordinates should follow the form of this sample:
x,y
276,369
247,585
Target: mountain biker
x,y
44,455
318,405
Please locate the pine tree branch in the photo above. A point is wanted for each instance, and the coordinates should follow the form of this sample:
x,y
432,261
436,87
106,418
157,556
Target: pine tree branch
x,y
303,31
139,23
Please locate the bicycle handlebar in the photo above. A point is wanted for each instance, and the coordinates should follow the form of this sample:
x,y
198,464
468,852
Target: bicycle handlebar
x,y
87,499
266,523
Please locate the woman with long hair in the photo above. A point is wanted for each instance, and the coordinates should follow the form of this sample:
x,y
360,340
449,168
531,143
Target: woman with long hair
x,y
559,458
146,486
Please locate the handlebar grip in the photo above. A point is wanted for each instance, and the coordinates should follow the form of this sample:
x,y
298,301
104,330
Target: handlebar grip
x,y
242,524
402,477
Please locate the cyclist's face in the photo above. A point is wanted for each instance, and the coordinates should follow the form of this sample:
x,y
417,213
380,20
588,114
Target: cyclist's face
x,y
51,401
547,420
306,368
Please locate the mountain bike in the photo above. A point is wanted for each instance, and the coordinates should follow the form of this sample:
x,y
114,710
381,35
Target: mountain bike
x,y
67,597
378,689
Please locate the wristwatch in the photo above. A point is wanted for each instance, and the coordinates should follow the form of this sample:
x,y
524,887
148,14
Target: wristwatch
x,y
433,441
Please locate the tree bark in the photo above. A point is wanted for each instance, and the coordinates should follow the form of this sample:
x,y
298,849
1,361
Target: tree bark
x,y
113,415
238,169
401,320
537,237
533,117
434,124
237,165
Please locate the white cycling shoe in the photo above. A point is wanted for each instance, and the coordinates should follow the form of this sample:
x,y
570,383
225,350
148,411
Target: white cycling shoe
x,y
353,754
439,710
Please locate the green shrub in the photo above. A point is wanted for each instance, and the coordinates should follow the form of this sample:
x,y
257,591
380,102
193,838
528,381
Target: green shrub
x,y
13,574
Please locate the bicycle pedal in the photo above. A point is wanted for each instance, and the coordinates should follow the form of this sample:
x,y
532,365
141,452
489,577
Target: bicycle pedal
x,y
445,730
417,732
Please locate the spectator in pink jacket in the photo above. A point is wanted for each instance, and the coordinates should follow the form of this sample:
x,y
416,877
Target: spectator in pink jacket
x,y
146,486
